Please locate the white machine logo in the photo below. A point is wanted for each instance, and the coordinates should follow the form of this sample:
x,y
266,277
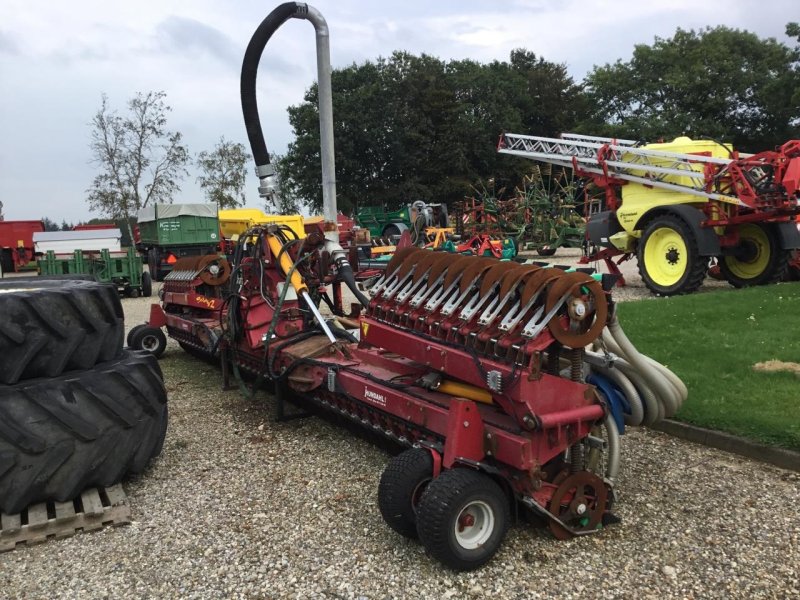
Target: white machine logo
x,y
375,397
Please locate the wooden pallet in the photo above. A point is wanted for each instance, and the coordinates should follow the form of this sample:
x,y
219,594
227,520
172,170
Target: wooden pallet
x,y
93,509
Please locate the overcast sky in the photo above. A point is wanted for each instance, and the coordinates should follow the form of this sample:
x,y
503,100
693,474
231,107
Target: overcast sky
x,y
57,58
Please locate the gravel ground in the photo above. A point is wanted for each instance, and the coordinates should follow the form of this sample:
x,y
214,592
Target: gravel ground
x,y
241,506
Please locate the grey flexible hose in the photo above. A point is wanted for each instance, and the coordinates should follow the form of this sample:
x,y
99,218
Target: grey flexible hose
x,y
660,385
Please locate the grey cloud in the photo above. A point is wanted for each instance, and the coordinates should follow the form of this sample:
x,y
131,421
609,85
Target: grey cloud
x,y
7,44
180,35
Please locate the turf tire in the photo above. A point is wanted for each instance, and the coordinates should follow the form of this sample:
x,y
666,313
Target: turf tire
x,y
440,507
401,487
59,436
696,265
48,326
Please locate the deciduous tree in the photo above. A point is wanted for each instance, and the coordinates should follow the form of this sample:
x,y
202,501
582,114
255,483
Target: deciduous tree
x,y
224,173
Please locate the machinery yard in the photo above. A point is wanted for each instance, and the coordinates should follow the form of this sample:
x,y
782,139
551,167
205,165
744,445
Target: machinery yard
x,y
423,395
241,506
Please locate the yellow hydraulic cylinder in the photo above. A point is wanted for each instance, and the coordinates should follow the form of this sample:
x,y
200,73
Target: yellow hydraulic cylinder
x,y
286,264
463,390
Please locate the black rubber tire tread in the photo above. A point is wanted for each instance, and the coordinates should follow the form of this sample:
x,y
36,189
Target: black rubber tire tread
x,y
439,507
133,331
400,480
777,269
138,337
48,326
546,251
147,284
59,436
698,265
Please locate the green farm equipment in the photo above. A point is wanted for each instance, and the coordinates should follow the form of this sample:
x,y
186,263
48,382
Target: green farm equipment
x,y
123,269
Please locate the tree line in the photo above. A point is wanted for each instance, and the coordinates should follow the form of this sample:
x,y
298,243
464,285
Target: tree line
x,y
413,127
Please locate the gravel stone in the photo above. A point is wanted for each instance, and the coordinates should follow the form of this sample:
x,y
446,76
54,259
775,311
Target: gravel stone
x,y
240,506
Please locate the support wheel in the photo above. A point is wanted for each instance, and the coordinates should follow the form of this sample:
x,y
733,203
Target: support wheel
x,y
757,260
462,518
402,484
148,339
545,251
147,285
669,261
391,231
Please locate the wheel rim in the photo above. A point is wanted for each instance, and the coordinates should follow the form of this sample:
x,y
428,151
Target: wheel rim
x,y
756,242
665,257
150,343
474,525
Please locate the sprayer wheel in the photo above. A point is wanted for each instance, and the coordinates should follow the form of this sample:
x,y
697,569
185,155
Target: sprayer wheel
x,y
81,429
760,261
462,518
51,326
402,484
669,259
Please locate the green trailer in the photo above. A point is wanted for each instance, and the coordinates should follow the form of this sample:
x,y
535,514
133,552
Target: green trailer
x,y
168,232
123,269
384,223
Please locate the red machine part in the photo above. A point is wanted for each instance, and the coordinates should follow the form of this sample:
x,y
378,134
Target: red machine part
x,y
485,324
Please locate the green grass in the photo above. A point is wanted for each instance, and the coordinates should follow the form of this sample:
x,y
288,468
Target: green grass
x,y
712,342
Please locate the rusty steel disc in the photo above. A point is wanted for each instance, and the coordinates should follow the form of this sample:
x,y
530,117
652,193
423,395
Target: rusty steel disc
x,y
455,269
214,270
443,263
511,278
494,274
424,264
478,266
579,502
585,328
537,281
410,261
398,258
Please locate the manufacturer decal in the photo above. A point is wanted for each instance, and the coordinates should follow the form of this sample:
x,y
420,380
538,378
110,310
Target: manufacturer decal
x,y
375,397
207,302
364,328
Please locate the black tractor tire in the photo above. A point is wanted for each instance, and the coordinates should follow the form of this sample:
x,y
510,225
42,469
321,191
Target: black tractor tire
x,y
51,326
147,285
545,251
670,244
768,262
450,498
402,484
60,435
148,339
134,292
6,262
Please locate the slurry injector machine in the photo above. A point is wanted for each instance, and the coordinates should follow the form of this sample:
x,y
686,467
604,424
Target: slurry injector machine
x,y
508,383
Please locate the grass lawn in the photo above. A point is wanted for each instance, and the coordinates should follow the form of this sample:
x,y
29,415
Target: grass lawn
x,y
712,342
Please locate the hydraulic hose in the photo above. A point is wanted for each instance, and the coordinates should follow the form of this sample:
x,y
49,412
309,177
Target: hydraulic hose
x,y
252,57
346,273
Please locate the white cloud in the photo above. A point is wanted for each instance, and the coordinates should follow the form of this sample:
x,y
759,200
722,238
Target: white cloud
x,y
56,58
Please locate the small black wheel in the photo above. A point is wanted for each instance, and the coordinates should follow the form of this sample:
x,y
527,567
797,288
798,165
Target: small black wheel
x,y
669,260
147,285
149,339
758,258
402,484
133,292
545,251
462,518
390,231
133,331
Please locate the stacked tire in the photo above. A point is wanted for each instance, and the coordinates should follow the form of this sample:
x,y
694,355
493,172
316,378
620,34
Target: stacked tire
x,y
76,409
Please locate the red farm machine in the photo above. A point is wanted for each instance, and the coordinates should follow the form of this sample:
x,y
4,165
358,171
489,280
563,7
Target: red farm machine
x,y
508,384
16,244
680,205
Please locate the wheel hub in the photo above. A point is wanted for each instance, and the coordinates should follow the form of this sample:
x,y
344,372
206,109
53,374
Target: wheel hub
x,y
474,525
672,256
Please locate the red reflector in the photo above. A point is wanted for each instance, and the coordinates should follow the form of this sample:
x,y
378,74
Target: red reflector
x,y
171,260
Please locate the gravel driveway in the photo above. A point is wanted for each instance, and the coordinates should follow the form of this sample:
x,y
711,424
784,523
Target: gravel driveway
x,y
241,506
